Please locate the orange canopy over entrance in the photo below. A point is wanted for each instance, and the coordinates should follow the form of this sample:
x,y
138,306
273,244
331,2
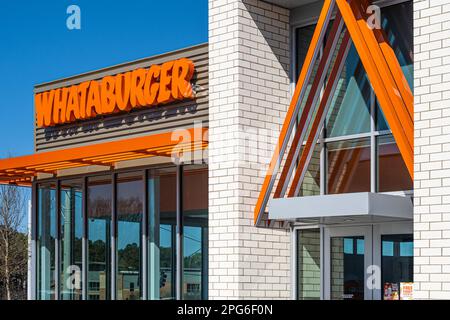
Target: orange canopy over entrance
x,y
22,170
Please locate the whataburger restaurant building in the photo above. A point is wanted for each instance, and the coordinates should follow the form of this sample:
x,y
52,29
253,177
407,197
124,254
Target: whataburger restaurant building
x,y
286,159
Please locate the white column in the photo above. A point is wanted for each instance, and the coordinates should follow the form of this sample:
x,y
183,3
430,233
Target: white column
x,y
432,149
248,96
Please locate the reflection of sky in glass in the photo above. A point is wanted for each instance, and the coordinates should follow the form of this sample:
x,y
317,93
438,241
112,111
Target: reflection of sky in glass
x,y
360,246
388,248
97,229
129,233
406,249
348,245
129,224
79,214
165,236
192,240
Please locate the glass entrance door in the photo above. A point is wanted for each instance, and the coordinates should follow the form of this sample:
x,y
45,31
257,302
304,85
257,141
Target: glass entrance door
x,y
348,256
394,254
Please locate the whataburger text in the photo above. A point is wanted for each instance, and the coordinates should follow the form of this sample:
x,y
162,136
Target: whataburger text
x,y
159,84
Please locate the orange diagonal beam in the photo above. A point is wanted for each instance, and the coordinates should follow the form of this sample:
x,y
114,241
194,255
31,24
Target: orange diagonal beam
x,y
320,116
402,137
392,77
391,60
310,106
291,115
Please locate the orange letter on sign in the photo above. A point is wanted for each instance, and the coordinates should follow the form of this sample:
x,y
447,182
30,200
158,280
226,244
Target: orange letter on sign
x,y
151,86
108,97
182,73
164,83
123,84
73,107
44,108
82,92
60,105
159,84
93,100
137,88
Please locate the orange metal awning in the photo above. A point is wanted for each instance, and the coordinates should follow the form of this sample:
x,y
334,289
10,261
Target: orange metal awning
x,y
22,170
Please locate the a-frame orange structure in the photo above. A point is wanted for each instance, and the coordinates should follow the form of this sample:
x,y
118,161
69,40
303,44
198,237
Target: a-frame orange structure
x,y
383,71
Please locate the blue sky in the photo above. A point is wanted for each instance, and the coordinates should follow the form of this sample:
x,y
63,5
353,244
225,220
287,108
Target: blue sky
x,y
36,46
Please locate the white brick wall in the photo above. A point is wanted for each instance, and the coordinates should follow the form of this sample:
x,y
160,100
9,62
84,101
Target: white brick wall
x,y
432,149
249,94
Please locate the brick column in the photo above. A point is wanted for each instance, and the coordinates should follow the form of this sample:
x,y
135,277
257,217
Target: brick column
x,y
248,96
432,149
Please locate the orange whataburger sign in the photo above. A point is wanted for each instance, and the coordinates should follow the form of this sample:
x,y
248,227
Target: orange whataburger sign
x,y
157,85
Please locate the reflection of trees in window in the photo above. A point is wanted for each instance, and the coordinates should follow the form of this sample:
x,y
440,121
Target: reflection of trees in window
x,y
77,250
194,260
99,197
166,257
129,207
97,255
99,207
129,257
129,216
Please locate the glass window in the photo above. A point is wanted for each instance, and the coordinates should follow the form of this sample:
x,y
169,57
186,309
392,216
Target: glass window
x,y
162,230
129,229
99,237
350,108
303,36
46,238
348,166
311,182
392,172
396,264
308,264
347,268
71,219
162,236
195,232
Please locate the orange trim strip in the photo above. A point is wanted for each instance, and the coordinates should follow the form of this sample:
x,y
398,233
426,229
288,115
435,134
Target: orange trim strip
x,y
106,157
104,162
292,112
399,77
